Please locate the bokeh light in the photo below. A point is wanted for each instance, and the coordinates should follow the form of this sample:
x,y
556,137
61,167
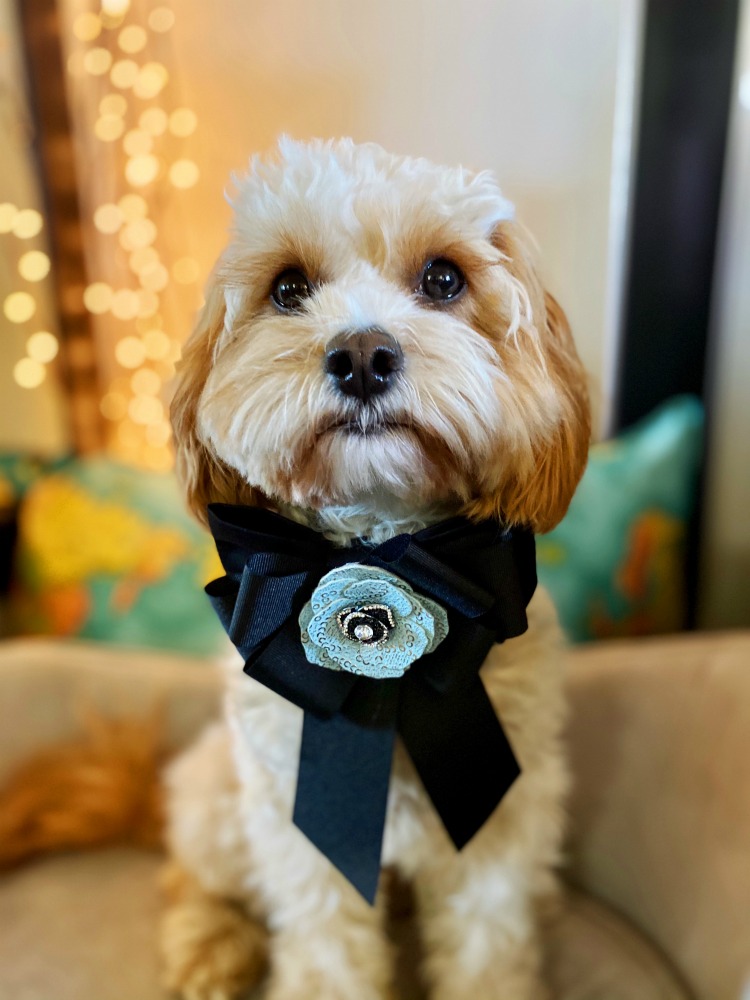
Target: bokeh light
x,y
125,304
130,352
29,373
114,406
113,104
137,142
34,265
156,344
27,223
133,207
97,61
109,127
42,347
124,73
8,213
19,307
145,382
98,297
108,218
141,170
151,80
132,39
154,278
87,27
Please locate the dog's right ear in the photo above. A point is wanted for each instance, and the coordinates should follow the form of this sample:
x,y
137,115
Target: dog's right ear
x,y
204,477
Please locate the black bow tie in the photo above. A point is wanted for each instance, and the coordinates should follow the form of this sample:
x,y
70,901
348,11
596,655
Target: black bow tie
x,y
482,575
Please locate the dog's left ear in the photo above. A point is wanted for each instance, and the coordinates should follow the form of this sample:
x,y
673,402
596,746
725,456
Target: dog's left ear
x,y
538,487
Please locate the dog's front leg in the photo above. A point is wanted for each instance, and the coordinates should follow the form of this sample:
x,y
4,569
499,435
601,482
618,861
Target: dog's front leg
x,y
479,930
327,942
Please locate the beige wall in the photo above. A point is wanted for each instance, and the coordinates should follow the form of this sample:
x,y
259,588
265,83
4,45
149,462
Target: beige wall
x,y
527,89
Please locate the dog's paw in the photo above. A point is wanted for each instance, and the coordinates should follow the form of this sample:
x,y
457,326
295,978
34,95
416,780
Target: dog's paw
x,y
211,950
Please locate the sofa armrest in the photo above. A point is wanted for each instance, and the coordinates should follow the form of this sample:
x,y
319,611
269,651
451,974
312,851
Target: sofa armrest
x,y
46,685
660,747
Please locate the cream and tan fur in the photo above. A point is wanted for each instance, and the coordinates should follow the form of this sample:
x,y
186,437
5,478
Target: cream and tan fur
x,y
488,418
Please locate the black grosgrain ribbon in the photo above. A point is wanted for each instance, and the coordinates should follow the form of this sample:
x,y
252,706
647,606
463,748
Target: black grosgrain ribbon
x,y
481,574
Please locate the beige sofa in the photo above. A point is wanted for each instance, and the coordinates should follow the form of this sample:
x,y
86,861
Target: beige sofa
x,y
659,854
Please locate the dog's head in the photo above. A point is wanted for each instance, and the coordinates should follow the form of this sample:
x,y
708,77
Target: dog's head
x,y
376,328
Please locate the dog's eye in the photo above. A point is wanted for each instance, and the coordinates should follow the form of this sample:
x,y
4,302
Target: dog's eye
x,y
290,289
442,280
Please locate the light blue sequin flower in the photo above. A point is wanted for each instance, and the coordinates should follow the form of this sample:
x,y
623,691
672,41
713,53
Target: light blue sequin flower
x,y
368,621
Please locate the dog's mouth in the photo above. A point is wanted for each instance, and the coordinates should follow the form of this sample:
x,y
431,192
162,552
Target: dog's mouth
x,y
371,426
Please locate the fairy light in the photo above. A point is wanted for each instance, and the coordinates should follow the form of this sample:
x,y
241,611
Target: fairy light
x,y
130,352
27,223
29,373
109,128
87,27
97,61
97,297
183,122
108,218
19,307
34,265
124,73
113,104
132,39
142,134
42,347
141,170
133,207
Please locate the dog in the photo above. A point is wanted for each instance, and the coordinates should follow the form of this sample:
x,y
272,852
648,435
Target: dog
x,y
376,354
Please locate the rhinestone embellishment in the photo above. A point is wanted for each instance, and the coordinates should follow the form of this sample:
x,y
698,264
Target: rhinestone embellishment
x,y
370,624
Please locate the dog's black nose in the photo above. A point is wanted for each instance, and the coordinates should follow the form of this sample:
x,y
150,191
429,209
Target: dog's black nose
x,y
365,363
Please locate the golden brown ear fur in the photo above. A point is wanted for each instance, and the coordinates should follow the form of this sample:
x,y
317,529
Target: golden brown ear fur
x,y
205,478
540,497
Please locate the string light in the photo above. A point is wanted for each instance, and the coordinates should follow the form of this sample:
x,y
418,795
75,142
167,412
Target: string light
x,y
124,73
34,265
115,8
130,352
183,122
108,128
141,170
113,104
87,27
19,307
27,224
29,373
97,61
42,347
132,39
98,298
108,218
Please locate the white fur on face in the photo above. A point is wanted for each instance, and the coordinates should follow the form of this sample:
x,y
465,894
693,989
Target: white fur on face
x,y
362,224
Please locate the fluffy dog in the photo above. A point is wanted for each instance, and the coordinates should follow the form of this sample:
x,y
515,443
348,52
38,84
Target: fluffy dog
x,y
376,354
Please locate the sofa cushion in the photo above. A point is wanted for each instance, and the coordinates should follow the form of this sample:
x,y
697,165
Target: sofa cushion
x,y
84,927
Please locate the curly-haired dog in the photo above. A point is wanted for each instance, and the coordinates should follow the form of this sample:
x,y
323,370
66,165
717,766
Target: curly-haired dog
x,y
455,389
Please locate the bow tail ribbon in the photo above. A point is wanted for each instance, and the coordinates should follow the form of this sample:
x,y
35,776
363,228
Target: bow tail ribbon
x,y
342,794
456,743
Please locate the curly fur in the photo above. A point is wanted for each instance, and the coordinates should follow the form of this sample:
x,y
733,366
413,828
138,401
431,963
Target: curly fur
x,y
489,418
